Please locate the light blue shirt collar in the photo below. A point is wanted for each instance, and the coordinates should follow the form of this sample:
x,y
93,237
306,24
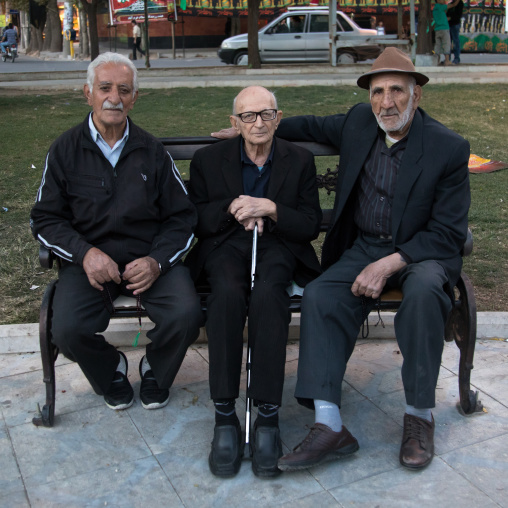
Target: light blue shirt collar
x,y
112,154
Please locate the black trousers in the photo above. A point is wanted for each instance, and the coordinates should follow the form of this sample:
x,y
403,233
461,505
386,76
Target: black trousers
x,y
136,45
267,308
80,315
332,317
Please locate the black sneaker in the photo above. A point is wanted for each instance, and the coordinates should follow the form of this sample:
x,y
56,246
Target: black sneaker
x,y
152,397
120,394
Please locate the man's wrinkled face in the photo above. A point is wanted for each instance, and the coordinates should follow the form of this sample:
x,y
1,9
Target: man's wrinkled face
x,y
112,95
393,103
255,99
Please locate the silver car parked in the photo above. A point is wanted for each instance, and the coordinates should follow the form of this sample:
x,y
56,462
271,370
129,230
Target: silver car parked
x,y
302,35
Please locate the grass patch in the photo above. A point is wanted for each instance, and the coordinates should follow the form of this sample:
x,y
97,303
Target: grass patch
x,y
31,122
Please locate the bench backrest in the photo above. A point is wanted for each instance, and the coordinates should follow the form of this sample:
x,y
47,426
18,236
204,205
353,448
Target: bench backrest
x,y
184,149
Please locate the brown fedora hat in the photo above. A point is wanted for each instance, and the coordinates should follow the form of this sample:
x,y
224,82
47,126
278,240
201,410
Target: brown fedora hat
x,y
392,60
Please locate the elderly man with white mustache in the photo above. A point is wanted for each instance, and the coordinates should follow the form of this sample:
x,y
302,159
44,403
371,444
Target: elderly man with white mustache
x,y
113,208
399,220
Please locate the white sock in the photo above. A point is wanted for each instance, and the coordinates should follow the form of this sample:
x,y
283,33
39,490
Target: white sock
x,y
122,366
328,414
145,366
424,413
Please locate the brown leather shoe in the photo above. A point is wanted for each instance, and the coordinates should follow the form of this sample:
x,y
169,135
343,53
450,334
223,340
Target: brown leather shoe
x,y
321,445
417,448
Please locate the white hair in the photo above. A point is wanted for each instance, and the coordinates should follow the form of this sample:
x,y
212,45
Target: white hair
x,y
115,58
270,92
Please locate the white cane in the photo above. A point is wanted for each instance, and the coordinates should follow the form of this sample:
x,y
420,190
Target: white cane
x,y
247,398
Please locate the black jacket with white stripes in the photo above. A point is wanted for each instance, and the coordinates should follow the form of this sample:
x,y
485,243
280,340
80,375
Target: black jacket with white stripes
x,y
139,208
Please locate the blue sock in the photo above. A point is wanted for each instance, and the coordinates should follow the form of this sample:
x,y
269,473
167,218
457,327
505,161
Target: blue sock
x,y
425,414
328,414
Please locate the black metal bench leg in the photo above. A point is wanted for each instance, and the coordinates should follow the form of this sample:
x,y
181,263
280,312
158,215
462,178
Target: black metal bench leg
x,y
49,354
462,328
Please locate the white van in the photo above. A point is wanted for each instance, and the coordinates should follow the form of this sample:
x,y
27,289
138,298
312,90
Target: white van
x,y
302,35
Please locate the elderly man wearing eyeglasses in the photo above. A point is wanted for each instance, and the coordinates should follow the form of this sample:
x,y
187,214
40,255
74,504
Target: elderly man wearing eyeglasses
x,y
253,179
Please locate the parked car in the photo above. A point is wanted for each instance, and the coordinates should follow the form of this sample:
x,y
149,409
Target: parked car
x,y
302,35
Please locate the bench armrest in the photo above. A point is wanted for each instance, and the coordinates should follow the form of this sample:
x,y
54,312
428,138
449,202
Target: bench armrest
x,y
46,257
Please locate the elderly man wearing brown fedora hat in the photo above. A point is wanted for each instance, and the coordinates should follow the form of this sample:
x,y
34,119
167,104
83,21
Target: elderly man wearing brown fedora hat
x,y
399,220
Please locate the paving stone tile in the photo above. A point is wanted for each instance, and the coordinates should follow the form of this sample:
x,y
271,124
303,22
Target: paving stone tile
x,y
374,368
188,419
82,442
488,353
321,499
16,499
453,430
437,485
18,363
492,381
485,465
187,468
134,484
10,479
20,394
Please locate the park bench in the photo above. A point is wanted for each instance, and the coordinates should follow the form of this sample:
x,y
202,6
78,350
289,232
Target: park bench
x,y
461,326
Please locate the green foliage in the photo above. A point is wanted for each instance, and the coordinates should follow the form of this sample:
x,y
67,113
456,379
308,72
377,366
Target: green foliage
x,y
31,122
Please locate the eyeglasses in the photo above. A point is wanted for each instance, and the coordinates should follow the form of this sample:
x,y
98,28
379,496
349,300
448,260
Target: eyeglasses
x,y
252,116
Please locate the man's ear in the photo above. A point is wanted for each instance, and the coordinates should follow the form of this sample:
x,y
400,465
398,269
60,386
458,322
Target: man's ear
x,y
278,119
87,93
417,95
234,122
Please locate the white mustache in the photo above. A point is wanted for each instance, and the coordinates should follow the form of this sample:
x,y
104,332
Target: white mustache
x,y
109,105
391,111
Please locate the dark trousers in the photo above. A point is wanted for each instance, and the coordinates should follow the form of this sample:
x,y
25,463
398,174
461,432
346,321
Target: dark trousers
x,y
80,315
454,35
267,308
136,45
332,317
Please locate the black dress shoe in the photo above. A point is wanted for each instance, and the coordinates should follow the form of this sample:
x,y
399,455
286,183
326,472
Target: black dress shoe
x,y
227,450
266,451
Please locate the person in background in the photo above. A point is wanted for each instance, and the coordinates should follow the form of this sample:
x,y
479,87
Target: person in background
x,y
442,30
136,39
9,38
454,20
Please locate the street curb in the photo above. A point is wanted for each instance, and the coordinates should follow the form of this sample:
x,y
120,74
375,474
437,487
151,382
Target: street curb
x,y
24,338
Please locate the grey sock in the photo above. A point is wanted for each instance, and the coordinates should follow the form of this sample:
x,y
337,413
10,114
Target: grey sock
x,y
328,414
425,413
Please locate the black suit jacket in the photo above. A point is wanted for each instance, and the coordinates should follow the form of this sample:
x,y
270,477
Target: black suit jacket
x,y
432,196
216,180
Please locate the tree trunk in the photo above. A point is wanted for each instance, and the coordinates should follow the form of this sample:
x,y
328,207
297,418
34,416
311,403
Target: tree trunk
x,y
24,33
252,25
84,44
47,34
424,40
91,12
36,41
37,15
54,27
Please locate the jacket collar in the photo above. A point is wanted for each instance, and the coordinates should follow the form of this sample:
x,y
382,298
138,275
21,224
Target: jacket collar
x,y
134,140
231,168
